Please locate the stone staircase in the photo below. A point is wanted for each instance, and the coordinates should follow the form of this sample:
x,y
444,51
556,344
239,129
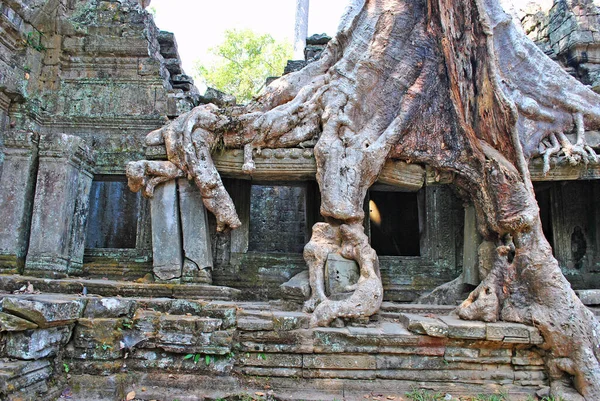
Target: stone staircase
x,y
102,339
90,347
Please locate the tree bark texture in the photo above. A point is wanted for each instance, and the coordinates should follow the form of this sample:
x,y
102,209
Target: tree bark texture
x,y
454,84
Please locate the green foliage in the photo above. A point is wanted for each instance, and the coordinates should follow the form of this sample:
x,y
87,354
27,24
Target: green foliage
x,y
66,367
34,40
262,356
491,397
417,394
196,357
245,60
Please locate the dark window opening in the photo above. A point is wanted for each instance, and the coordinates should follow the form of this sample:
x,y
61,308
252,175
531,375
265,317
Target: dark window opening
x,y
394,223
544,199
278,218
113,215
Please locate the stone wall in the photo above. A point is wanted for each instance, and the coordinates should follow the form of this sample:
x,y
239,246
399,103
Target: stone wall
x,y
568,32
99,72
96,76
94,348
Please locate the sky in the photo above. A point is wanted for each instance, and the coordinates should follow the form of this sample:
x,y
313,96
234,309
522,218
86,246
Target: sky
x,y
199,24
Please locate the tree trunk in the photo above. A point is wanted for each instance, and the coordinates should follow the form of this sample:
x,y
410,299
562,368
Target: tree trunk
x,y
454,84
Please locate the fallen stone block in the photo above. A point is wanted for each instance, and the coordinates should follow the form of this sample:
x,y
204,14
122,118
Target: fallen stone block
x,y
297,288
424,325
45,310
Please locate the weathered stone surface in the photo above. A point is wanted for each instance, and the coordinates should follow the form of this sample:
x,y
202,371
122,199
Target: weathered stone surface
x,y
345,362
60,207
297,288
36,344
251,323
198,261
424,325
14,323
466,329
146,323
278,360
287,321
225,311
17,183
340,273
99,338
507,332
168,45
108,307
217,97
589,297
190,334
45,310
167,248
16,375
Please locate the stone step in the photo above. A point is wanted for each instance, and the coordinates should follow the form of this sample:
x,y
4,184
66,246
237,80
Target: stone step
x,y
113,288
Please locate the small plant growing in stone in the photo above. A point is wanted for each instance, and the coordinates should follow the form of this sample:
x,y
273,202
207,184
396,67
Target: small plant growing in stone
x,y
34,41
66,367
105,346
262,356
419,394
491,397
196,357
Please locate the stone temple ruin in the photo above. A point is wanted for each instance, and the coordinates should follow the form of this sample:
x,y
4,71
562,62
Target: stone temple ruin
x,y
105,291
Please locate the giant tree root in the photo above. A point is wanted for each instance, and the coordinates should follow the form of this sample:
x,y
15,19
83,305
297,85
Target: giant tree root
x,y
368,291
454,84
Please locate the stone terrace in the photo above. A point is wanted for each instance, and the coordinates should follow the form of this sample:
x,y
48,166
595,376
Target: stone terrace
x,y
90,347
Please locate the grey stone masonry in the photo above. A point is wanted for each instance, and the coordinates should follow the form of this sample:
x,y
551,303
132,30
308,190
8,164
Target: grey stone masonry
x,y
60,206
17,179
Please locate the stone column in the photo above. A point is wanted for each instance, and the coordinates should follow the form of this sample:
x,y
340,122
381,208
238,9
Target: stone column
x,y
60,206
167,248
471,245
300,28
17,179
198,261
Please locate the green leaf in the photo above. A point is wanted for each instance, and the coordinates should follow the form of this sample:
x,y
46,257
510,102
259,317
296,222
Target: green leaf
x,y
207,359
188,356
66,367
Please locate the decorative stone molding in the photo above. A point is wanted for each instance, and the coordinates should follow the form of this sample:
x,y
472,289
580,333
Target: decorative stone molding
x,y
297,164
